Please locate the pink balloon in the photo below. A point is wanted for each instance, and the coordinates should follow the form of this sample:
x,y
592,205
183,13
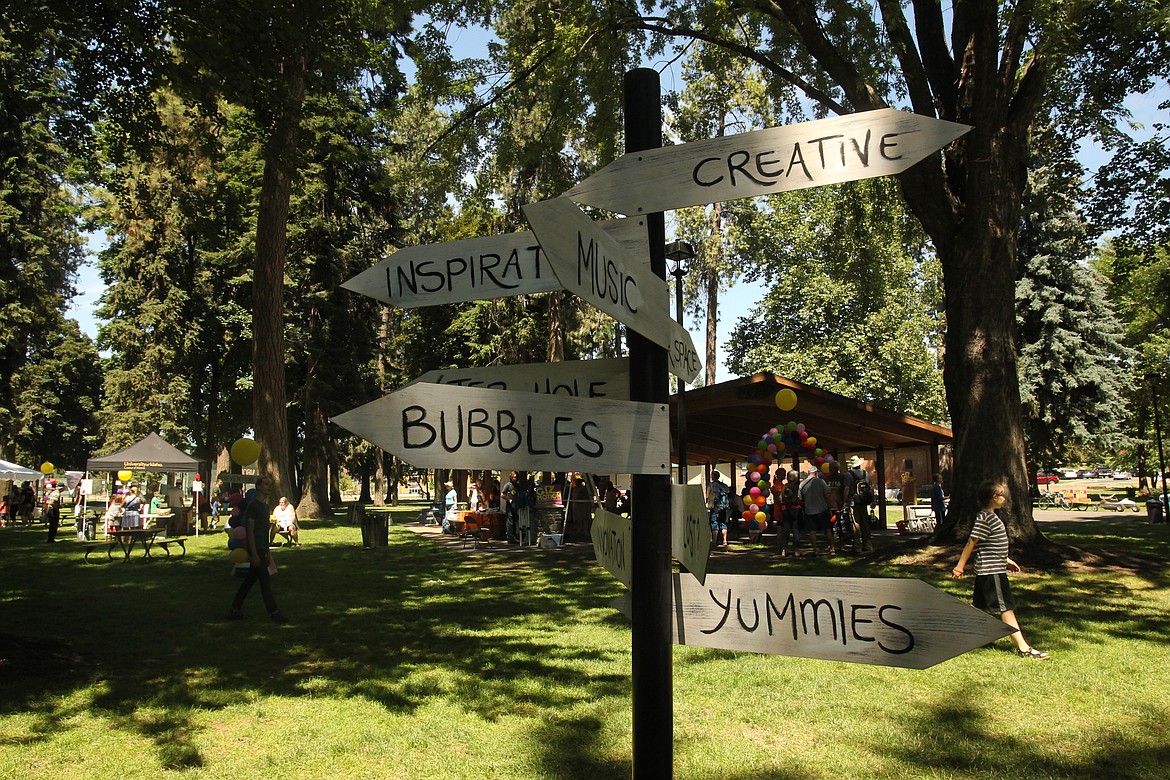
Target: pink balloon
x,y
755,491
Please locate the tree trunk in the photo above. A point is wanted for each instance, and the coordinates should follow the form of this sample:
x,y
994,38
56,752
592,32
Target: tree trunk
x,y
979,259
269,413
712,280
315,487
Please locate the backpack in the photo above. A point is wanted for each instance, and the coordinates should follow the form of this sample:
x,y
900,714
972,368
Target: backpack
x,y
862,490
721,496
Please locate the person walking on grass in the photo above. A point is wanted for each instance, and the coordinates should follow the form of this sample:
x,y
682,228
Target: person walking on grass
x,y
988,544
255,515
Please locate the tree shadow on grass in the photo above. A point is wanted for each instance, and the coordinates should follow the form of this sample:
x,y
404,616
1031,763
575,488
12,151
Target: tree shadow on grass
x,y
148,646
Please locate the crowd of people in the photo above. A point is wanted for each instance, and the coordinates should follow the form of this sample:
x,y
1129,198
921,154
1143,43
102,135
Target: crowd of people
x,y
830,509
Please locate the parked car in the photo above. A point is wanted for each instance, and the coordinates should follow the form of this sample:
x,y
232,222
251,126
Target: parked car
x,y
1122,475
1102,473
1084,473
1068,474
1046,477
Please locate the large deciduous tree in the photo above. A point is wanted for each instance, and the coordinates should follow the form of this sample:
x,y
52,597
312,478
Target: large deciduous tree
x,y
984,64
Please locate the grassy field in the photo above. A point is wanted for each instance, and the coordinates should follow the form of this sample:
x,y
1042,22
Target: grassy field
x,y
422,660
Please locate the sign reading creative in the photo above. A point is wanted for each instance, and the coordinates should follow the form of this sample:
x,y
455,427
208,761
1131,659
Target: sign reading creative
x,y
763,162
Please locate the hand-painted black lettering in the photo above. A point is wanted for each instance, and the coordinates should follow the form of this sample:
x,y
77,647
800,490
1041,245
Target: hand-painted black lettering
x,y
595,390
598,448
433,280
887,143
413,419
558,434
789,609
798,159
477,420
862,150
737,161
448,446
708,182
854,620
820,142
529,438
816,615
509,427
404,280
726,611
457,266
764,163
909,636
739,615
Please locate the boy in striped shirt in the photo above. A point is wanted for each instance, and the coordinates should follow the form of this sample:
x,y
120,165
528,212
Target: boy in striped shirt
x,y
989,545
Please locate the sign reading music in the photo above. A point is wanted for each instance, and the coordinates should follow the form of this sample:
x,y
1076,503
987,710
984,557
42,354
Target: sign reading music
x,y
594,266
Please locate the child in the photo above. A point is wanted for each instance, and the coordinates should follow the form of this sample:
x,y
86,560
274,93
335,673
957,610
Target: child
x,y
989,544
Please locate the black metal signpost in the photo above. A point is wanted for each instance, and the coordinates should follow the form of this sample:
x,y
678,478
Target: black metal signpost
x,y
653,694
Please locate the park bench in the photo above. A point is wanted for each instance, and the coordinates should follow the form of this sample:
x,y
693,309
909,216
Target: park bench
x,y
90,545
166,545
919,519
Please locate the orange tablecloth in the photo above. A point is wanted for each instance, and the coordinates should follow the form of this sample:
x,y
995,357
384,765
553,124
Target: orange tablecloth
x,y
491,523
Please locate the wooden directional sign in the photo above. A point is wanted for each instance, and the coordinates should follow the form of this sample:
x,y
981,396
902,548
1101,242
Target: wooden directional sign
x,y
592,264
810,154
608,378
612,536
447,426
682,359
690,530
475,269
887,622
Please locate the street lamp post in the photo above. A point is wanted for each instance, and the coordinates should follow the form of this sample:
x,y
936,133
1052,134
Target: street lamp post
x,y
1153,380
679,252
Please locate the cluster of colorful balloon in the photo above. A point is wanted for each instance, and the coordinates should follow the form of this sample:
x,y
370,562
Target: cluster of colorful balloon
x,y
791,436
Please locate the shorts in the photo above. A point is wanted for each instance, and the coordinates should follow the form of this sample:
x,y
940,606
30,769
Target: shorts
x,y
993,593
822,521
717,521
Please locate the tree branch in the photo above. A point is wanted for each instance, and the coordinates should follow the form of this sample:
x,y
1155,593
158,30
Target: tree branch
x,y
936,57
662,26
921,97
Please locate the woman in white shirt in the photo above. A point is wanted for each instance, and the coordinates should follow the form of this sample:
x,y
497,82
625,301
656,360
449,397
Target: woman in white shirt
x,y
285,515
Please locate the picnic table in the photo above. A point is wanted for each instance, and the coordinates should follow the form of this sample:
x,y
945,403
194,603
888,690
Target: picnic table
x,y
127,538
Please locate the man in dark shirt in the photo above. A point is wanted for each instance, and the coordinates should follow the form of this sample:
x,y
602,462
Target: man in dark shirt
x,y
256,513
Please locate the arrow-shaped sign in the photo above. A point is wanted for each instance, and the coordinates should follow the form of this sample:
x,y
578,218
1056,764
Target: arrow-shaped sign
x,y
607,378
593,265
473,269
690,529
612,543
887,622
763,162
446,426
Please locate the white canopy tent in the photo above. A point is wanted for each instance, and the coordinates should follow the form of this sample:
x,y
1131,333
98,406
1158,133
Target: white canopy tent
x,y
16,472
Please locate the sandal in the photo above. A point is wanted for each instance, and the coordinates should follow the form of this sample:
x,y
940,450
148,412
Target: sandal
x,y
1032,652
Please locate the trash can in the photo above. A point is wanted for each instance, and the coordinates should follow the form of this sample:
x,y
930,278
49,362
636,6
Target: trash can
x,y
1154,510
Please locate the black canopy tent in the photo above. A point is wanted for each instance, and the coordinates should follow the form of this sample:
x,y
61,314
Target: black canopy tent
x,y
149,454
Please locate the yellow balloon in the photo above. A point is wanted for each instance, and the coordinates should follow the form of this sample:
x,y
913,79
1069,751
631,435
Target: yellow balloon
x,y
125,475
786,400
47,468
245,451
239,555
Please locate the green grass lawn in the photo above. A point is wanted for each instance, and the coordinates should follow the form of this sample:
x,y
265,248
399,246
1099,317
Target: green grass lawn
x,y
420,660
